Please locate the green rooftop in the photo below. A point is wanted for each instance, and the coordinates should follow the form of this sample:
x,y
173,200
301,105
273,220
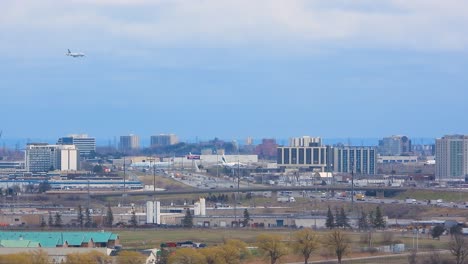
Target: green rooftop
x,y
19,244
57,239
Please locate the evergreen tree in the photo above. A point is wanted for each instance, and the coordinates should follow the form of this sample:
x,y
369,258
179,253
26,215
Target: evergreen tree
x,y
89,219
109,216
363,223
58,220
164,258
371,219
187,222
50,221
344,220
437,231
246,220
80,216
379,221
44,186
338,222
456,229
43,222
134,220
330,223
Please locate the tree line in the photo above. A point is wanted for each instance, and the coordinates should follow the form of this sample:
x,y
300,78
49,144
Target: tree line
x,y
366,220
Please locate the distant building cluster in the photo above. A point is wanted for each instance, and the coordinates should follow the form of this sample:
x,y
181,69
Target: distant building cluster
x,y
448,157
63,156
394,146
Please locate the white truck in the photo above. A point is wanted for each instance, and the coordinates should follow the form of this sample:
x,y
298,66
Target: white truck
x,y
436,202
410,201
286,199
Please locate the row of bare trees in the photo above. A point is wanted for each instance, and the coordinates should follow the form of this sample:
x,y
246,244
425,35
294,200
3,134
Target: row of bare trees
x,y
95,257
272,247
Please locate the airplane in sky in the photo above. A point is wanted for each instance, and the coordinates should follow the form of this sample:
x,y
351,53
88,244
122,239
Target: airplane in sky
x,y
232,165
74,54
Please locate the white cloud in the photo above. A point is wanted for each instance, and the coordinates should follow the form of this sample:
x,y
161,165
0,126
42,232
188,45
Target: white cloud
x,y
400,24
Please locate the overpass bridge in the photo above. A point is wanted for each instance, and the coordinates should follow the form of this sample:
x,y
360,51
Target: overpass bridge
x,y
332,188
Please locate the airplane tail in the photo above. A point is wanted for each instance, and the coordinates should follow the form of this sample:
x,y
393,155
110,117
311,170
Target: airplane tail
x,y
69,51
197,169
223,159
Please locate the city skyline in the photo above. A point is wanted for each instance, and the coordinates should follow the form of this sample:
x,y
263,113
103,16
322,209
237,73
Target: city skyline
x,y
361,70
145,141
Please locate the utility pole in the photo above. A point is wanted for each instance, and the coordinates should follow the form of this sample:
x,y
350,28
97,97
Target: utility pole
x,y
154,173
124,183
154,192
238,185
217,164
89,196
352,186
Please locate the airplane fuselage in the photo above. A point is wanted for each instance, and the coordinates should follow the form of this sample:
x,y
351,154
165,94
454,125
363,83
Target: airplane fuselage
x,y
74,55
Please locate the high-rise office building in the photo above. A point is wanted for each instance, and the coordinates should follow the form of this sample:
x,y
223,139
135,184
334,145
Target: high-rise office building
x,y
85,145
42,157
305,141
394,146
452,157
162,140
360,160
129,143
312,158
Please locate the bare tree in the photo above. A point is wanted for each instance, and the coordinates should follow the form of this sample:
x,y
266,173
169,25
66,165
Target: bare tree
x,y
305,243
339,243
412,257
459,248
271,247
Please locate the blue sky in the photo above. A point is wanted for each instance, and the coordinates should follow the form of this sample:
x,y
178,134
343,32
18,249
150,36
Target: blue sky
x,y
232,69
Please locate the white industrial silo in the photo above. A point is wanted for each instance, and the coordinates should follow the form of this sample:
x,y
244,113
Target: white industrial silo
x,y
149,212
202,206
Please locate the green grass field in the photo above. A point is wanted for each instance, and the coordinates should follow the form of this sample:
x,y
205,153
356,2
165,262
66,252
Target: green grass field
x,y
143,238
449,196
153,238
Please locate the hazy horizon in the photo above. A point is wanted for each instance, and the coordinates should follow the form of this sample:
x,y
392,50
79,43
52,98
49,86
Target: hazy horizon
x,y
145,142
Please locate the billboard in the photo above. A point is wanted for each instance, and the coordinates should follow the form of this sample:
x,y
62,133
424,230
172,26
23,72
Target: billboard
x,y
193,157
